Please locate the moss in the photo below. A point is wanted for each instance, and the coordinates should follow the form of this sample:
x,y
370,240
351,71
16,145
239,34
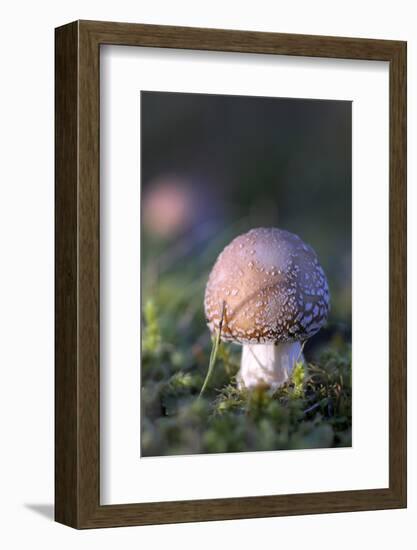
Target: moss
x,y
152,337
312,410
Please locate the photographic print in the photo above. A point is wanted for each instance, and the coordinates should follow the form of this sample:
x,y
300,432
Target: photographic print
x,y
205,215
246,220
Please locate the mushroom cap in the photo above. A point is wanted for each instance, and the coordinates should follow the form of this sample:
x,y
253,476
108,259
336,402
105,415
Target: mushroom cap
x,y
270,288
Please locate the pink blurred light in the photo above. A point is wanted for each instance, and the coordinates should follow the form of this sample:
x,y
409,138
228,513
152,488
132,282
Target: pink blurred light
x,y
168,206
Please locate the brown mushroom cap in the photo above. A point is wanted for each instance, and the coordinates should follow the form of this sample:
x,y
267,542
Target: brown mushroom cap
x,y
272,287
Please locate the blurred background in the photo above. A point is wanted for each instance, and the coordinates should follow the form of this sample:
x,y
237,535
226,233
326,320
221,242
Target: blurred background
x,y
214,167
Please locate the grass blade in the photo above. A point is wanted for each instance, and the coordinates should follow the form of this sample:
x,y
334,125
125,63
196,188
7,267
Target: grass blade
x,y
213,354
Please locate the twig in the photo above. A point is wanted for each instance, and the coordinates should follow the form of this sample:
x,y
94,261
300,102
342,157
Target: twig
x,y
311,408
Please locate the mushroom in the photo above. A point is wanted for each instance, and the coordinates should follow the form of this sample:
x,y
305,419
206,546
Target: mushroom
x,y
268,292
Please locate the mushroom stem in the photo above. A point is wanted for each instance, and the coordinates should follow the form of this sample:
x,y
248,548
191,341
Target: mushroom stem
x,y
268,364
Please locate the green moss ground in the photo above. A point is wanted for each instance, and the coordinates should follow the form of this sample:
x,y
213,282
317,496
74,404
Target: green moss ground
x,y
313,410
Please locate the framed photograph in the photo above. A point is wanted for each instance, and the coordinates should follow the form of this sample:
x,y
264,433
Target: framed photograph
x,y
230,274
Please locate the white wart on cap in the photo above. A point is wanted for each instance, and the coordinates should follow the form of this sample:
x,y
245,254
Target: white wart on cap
x,y
274,292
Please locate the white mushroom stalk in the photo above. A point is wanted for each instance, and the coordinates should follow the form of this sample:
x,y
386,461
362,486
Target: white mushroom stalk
x,y
267,292
268,364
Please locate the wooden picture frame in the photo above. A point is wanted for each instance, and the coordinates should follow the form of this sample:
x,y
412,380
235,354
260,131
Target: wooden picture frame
x,y
77,374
